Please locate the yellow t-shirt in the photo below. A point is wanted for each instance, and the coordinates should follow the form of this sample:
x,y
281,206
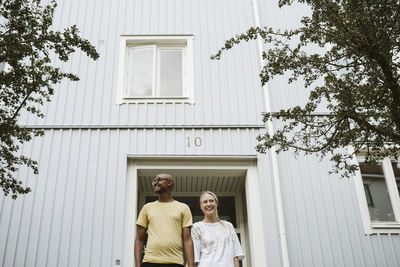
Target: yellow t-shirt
x,y
164,222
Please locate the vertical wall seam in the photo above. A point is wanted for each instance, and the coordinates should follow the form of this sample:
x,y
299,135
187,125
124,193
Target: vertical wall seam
x,y
393,250
272,152
33,203
96,183
64,198
23,205
114,62
384,256
73,197
103,57
314,218
43,200
107,179
8,232
17,210
53,202
78,69
112,250
354,207
371,250
296,234
84,198
336,224
346,231
92,85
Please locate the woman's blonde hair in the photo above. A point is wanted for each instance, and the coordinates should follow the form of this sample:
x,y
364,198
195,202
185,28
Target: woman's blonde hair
x,y
216,201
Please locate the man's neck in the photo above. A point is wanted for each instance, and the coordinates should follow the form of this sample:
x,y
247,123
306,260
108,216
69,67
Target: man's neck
x,y
165,197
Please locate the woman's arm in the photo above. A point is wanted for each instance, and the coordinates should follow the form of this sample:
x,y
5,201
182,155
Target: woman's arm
x,y
236,261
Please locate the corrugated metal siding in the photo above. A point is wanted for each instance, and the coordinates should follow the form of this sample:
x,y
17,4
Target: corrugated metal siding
x,y
74,216
267,198
323,219
75,213
282,94
322,215
226,91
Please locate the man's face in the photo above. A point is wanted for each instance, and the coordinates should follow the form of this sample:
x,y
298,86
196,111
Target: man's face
x,y
161,183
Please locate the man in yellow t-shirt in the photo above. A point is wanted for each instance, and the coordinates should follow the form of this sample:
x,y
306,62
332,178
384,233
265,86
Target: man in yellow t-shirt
x,y
167,223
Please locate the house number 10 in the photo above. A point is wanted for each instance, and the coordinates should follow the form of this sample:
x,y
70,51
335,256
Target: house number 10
x,y
197,141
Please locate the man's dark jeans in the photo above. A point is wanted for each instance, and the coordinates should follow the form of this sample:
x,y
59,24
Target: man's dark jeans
x,y
148,264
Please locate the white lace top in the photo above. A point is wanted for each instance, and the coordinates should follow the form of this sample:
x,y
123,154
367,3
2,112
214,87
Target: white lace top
x,y
215,245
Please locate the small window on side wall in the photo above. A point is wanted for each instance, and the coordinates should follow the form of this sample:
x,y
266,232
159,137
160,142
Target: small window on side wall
x,y
378,195
156,69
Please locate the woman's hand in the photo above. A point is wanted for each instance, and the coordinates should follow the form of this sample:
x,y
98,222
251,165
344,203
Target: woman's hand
x,y
236,261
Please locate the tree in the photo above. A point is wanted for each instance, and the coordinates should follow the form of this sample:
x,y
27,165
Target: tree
x,y
355,70
27,45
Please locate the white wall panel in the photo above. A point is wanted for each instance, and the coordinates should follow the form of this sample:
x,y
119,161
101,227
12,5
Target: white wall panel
x,y
226,91
269,215
323,220
282,94
75,213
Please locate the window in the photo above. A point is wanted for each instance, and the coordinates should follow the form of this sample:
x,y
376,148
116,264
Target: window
x,y
378,194
156,68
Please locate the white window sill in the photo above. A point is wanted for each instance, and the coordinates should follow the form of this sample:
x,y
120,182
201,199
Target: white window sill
x,y
154,99
385,225
384,228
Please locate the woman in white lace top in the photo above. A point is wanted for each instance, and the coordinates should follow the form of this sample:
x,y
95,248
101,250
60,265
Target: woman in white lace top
x,y
215,241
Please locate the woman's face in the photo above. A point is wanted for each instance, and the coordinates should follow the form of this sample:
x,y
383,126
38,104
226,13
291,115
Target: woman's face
x,y
208,204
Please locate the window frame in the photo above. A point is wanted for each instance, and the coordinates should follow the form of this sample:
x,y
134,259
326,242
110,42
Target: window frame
x,y
378,227
159,42
129,49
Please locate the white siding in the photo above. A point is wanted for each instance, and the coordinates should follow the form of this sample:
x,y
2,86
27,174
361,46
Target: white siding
x,y
74,215
323,220
226,92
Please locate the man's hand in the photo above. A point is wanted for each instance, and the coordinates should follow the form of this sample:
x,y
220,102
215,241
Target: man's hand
x,y
139,243
188,246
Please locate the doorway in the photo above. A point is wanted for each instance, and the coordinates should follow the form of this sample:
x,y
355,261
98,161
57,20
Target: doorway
x,y
229,179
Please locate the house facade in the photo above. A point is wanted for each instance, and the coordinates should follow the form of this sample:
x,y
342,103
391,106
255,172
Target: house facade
x,y
155,102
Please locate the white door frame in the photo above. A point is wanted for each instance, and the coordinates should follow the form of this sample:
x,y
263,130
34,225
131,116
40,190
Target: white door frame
x,y
255,228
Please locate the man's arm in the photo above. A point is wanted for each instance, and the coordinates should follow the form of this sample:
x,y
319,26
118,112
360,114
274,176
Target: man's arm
x,y
139,243
188,246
